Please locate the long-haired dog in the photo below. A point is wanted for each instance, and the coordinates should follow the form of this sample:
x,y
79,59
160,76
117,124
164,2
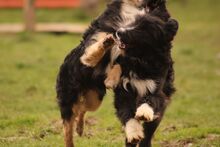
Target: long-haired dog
x,y
146,83
80,82
147,72
146,69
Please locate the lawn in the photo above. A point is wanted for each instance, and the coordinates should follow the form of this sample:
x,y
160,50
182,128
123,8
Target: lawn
x,y
29,63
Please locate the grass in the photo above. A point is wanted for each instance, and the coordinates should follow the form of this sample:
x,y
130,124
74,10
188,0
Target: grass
x,y
29,63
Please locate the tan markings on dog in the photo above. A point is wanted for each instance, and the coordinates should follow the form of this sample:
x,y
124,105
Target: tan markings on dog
x,y
99,36
134,131
87,101
92,101
138,3
135,3
113,77
89,50
68,132
80,123
108,68
94,53
145,112
115,52
122,52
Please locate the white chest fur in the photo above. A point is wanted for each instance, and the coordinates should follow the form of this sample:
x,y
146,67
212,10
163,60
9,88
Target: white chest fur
x,y
143,87
128,14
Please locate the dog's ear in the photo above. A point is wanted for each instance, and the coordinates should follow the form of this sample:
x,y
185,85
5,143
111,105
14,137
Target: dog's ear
x,y
152,4
171,29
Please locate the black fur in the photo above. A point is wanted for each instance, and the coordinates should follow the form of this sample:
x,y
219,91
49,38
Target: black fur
x,y
74,77
148,55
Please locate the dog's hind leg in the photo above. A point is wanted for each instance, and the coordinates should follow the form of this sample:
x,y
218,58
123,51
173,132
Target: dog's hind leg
x,y
68,117
80,123
68,132
90,101
93,100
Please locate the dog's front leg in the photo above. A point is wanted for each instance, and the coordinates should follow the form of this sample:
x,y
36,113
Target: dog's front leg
x,y
94,53
134,132
157,102
145,112
125,110
152,107
113,76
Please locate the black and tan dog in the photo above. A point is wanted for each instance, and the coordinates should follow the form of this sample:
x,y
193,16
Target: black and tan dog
x,y
80,82
146,69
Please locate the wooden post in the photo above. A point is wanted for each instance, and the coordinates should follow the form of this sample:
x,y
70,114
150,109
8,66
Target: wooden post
x,y
29,15
90,6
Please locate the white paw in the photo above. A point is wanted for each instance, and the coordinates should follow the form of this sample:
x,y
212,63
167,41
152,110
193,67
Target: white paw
x,y
134,131
145,112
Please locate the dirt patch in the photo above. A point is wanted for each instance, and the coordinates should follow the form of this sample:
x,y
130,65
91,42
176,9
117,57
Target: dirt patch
x,y
188,142
55,127
211,137
170,128
13,138
89,133
91,121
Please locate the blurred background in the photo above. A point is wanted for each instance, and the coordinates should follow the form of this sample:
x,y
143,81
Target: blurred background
x,y
35,36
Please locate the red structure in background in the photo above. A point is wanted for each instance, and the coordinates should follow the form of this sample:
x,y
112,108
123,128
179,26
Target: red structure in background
x,y
41,3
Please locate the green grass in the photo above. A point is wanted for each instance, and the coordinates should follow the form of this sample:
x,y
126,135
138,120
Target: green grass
x,y
29,63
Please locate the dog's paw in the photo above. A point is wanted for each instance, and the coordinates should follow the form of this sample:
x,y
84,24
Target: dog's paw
x,y
134,131
79,130
145,112
108,41
111,82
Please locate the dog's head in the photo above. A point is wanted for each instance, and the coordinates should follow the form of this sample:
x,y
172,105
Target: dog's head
x,y
137,3
147,32
151,4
